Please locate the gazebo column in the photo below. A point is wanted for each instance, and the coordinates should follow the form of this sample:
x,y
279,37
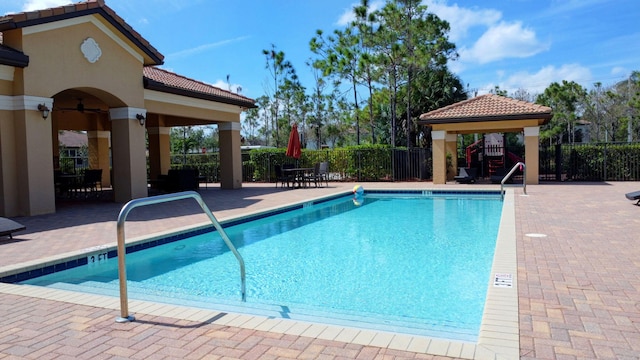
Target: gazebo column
x,y
129,154
531,153
451,146
159,151
439,154
230,155
98,142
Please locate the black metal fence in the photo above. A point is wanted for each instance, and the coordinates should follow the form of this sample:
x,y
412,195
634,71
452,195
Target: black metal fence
x,y
562,162
590,162
380,164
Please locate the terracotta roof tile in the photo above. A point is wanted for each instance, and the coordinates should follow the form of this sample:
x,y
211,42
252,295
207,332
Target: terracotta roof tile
x,y
487,107
163,80
30,18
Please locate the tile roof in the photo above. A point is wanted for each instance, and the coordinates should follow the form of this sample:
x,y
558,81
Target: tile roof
x,y
487,107
166,81
31,18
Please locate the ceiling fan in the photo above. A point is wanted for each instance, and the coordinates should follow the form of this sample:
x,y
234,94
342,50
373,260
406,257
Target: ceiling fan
x,y
80,108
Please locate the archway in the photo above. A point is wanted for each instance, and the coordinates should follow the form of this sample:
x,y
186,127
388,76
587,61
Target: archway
x,y
85,111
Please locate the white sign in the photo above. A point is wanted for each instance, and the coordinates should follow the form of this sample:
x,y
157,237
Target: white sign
x,y
503,280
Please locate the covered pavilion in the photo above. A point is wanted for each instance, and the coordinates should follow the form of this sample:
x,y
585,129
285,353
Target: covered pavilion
x,y
82,67
484,114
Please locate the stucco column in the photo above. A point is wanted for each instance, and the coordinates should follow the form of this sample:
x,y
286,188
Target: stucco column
x,y
159,151
34,158
230,155
532,153
439,154
451,145
98,142
128,148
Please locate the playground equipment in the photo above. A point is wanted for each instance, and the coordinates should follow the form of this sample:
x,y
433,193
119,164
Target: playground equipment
x,y
490,156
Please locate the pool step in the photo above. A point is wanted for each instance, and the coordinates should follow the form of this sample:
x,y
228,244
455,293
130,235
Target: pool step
x,y
306,313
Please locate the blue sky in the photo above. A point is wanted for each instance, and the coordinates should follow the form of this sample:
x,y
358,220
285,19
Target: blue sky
x,y
510,43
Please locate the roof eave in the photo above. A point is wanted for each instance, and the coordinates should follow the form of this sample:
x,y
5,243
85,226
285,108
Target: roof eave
x,y
545,117
150,84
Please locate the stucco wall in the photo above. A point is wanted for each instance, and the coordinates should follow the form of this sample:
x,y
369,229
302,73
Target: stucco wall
x,y
56,62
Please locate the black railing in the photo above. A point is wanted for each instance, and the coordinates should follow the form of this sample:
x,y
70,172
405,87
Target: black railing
x,y
344,165
562,162
590,162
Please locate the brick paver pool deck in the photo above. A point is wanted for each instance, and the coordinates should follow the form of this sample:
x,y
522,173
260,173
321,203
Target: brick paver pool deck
x,y
578,282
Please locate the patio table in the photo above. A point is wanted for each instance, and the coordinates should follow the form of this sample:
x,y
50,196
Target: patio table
x,y
298,174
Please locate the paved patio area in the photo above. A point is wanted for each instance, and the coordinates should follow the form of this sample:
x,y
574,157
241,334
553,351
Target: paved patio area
x,y
578,281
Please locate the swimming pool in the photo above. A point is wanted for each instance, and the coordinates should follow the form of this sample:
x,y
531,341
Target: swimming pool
x,y
328,261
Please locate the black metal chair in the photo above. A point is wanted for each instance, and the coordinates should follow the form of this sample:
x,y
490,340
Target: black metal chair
x,y
92,182
281,177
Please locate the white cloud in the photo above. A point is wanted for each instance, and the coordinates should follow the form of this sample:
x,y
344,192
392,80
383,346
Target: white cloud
x,y
235,88
348,16
505,40
205,47
482,36
462,19
535,83
619,70
31,5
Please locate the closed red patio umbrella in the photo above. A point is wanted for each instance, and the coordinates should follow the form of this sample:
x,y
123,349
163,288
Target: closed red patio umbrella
x,y
293,148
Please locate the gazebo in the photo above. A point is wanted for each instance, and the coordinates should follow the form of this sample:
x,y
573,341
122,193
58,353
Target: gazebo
x,y
484,114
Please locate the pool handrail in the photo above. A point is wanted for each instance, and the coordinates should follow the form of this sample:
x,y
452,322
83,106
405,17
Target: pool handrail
x,y
513,169
122,269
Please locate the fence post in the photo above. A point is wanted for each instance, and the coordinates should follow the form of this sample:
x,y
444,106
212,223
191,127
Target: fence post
x,y
605,162
559,162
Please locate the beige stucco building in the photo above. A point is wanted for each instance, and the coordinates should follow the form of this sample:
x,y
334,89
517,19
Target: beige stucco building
x,y
82,67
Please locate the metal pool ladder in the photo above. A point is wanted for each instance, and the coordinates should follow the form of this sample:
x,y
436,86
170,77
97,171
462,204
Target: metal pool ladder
x,y
122,269
513,169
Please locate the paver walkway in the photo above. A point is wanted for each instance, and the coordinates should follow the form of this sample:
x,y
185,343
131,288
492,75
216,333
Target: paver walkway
x,y
579,286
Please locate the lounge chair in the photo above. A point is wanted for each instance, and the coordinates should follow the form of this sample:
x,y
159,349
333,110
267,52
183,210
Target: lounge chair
x,y
633,196
8,227
466,175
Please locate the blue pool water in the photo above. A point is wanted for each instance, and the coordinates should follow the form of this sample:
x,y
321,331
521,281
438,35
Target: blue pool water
x,y
414,264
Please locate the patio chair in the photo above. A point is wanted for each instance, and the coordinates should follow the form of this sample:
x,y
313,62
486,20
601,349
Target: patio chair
x,y
633,196
281,177
91,181
8,227
324,173
182,180
314,177
466,175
